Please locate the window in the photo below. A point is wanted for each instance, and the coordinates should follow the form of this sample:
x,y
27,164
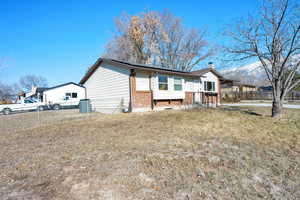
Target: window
x,y
74,95
162,82
68,94
209,86
177,84
28,101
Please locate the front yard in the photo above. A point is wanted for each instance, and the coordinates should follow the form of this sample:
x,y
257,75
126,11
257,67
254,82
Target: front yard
x,y
198,154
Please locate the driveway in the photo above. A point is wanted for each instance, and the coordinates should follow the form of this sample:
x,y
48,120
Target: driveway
x,y
291,106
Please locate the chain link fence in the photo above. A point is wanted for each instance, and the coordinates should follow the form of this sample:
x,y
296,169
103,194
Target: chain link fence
x,y
257,95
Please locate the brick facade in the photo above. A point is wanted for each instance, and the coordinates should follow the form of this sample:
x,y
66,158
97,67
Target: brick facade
x,y
167,102
210,99
189,98
142,99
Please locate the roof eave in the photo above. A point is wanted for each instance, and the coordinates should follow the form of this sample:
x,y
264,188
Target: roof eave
x,y
92,69
153,69
95,66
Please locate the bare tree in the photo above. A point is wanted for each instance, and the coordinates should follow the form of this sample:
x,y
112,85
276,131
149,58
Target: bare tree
x,y
8,92
273,37
26,82
158,39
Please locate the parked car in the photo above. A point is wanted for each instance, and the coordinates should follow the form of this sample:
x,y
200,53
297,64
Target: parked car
x,y
24,105
64,102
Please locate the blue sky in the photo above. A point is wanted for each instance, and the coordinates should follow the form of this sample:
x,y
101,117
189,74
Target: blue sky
x,y
60,39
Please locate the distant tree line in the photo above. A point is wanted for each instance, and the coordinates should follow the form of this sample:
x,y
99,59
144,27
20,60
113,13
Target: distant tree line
x,y
9,92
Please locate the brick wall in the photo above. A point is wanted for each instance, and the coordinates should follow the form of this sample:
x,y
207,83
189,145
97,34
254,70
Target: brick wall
x,y
166,102
210,99
176,102
142,99
188,98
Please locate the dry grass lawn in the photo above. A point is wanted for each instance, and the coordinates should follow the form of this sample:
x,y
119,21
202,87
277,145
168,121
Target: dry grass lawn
x,y
197,154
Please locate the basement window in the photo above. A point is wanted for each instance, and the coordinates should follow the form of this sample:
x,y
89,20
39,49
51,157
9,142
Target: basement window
x,y
209,86
163,82
177,84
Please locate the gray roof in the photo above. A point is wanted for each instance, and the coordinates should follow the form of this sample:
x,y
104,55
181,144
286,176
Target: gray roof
x,y
51,88
129,65
41,89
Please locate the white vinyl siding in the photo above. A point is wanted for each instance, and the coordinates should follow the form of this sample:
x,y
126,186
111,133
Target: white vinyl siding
x,y
192,85
197,85
142,82
189,85
108,89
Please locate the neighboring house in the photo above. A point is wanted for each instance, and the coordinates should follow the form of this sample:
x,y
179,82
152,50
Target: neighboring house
x,y
64,94
116,86
36,93
235,86
247,88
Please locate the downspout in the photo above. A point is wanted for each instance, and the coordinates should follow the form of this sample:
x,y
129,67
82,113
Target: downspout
x,y
85,93
130,91
151,92
219,95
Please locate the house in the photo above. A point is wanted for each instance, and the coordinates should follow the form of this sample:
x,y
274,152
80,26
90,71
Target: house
x,y
236,87
60,94
116,86
34,93
237,91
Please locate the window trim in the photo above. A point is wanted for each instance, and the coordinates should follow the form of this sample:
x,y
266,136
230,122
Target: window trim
x,y
68,94
181,84
163,83
28,101
213,86
74,93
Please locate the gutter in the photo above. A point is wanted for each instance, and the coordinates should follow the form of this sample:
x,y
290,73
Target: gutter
x,y
130,91
151,92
